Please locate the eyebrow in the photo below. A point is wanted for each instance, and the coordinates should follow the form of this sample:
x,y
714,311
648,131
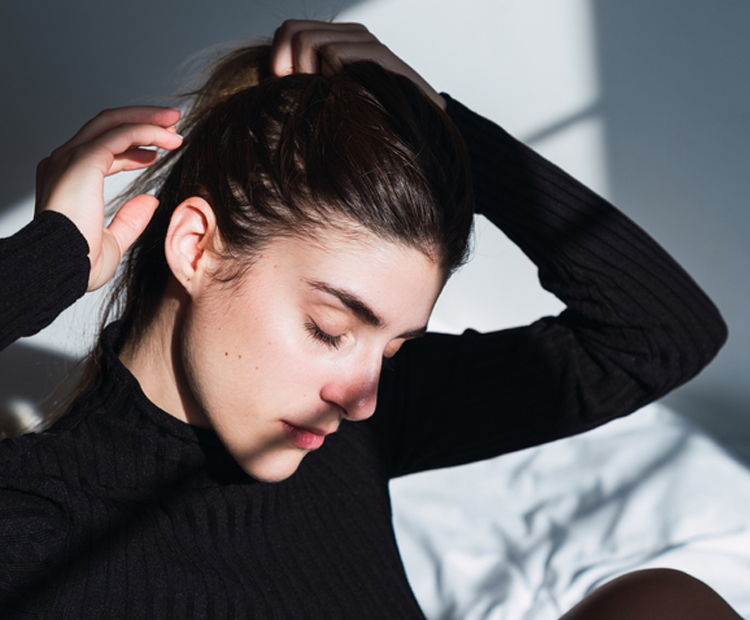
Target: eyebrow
x,y
360,309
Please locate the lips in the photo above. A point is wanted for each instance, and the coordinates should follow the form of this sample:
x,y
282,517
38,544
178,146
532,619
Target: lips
x,y
305,438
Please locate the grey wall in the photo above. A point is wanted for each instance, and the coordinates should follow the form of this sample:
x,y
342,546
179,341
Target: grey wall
x,y
675,79
62,62
675,106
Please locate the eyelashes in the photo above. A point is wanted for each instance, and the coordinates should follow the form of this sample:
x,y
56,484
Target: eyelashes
x,y
318,334
334,342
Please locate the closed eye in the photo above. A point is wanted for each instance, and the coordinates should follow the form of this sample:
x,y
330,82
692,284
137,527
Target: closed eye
x,y
319,335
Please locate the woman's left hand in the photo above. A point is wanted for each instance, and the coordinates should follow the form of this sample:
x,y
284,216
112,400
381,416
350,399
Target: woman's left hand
x,y
301,46
71,180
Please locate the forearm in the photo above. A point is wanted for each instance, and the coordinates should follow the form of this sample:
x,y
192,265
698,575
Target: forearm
x,y
635,327
44,268
619,285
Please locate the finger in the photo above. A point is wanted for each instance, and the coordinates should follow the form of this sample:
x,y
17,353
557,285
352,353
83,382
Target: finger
x,y
330,47
132,115
306,46
305,52
286,39
70,180
129,222
104,150
335,56
133,159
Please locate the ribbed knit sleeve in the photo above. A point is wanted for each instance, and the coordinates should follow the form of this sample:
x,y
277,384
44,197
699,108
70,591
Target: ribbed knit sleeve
x,y
45,268
33,546
635,326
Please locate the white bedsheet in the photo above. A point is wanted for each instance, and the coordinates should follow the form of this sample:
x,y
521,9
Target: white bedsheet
x,y
527,535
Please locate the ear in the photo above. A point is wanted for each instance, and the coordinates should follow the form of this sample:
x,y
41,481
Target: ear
x,y
189,242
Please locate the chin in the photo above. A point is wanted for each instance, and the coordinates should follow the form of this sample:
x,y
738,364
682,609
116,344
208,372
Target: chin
x,y
273,468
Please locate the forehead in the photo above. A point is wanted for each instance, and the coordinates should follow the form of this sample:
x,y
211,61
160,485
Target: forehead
x,y
396,281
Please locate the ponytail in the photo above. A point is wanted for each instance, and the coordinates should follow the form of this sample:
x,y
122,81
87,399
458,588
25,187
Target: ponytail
x,y
282,155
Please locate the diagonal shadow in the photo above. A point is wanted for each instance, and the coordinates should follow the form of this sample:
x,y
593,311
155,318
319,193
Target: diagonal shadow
x,y
63,62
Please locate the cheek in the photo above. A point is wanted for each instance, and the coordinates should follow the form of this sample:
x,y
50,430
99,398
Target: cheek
x,y
204,368
248,362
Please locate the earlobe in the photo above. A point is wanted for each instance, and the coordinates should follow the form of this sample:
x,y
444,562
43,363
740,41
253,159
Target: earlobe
x,y
189,241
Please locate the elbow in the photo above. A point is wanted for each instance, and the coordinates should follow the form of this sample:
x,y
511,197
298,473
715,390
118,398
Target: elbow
x,y
692,350
708,336
715,334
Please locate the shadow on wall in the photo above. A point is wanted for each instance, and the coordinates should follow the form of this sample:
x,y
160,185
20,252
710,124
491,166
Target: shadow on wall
x,y
676,106
65,61
675,101
28,376
62,63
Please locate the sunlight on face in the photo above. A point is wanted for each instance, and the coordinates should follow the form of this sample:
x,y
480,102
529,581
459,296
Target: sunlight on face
x,y
276,361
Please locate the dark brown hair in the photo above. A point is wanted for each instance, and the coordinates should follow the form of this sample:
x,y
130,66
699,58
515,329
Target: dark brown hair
x,y
278,155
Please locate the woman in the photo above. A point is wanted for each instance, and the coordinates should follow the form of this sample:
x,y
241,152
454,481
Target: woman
x,y
209,466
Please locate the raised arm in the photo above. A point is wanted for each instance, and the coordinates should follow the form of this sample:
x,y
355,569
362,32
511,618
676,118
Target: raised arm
x,y
67,249
636,325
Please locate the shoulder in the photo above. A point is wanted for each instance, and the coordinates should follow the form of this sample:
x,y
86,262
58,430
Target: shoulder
x,y
36,453
28,479
46,464
34,511
34,537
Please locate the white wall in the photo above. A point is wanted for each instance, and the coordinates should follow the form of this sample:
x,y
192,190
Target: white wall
x,y
644,101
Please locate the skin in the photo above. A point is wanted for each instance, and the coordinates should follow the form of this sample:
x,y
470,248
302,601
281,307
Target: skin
x,y
284,349
71,180
302,46
221,354
653,594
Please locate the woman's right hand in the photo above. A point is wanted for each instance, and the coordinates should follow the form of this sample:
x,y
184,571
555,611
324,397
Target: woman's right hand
x,y
303,46
71,180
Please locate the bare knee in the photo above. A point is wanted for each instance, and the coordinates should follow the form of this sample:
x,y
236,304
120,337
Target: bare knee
x,y
666,583
660,593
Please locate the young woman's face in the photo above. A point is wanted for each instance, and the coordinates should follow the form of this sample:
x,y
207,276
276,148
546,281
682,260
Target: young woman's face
x,y
275,362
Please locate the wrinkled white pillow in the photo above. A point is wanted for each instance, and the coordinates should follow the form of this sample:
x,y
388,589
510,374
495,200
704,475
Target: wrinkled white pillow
x,y
527,535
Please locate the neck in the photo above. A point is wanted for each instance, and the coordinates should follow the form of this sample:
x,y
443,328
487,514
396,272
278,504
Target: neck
x,y
154,358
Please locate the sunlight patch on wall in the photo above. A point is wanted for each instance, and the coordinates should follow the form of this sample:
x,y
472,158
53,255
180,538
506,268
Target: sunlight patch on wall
x,y
530,66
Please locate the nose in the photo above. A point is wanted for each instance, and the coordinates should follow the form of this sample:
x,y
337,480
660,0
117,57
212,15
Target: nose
x,y
354,389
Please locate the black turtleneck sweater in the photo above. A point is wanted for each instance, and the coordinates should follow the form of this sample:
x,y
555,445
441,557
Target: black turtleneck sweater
x,y
122,511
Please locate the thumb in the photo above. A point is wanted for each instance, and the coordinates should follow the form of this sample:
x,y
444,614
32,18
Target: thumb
x,y
129,222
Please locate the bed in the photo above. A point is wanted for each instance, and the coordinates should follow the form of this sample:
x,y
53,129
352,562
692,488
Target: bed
x,y
525,536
